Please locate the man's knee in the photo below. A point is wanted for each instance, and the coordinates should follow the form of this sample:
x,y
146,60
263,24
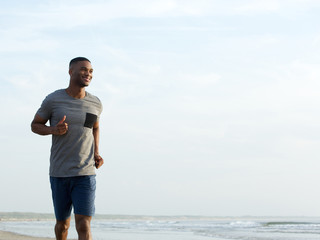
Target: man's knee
x,y
83,223
62,226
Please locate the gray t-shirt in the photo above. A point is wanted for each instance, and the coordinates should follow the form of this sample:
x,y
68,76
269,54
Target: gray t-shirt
x,y
72,154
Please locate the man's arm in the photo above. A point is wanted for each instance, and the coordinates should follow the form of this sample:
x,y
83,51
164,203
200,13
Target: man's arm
x,y
39,126
96,134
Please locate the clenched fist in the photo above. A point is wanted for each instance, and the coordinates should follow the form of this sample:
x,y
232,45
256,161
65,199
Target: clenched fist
x,y
61,128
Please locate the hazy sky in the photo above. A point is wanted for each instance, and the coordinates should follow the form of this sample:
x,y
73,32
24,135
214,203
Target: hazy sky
x,y
210,107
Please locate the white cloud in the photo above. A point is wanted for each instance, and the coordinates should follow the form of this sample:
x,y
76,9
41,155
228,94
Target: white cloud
x,y
255,6
66,15
195,80
20,41
299,82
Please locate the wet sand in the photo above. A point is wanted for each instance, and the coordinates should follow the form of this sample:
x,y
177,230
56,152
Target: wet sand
x,y
13,236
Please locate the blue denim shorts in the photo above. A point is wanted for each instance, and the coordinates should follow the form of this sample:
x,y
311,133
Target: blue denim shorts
x,y
76,192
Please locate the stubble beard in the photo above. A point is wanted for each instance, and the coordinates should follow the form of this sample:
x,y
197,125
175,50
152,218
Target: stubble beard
x,y
82,82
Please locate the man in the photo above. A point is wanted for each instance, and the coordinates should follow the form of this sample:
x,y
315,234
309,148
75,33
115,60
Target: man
x,y
74,125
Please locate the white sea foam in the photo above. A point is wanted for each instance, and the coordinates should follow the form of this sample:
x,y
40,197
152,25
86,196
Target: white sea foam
x,y
187,228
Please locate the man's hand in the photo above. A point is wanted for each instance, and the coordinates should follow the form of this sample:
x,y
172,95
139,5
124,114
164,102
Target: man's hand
x,y
61,128
98,160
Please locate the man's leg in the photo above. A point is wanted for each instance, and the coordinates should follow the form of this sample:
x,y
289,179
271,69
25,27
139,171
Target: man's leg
x,y
61,229
83,196
62,206
83,226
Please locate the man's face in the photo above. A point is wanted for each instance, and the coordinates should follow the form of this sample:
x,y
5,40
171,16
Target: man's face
x,y
81,73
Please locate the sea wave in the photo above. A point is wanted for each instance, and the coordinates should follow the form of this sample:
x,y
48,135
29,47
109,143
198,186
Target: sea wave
x,y
224,228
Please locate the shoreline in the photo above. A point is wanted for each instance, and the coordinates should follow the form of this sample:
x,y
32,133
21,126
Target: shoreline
x,y
4,235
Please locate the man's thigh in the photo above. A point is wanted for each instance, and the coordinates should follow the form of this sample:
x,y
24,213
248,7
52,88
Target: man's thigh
x,y
83,195
61,197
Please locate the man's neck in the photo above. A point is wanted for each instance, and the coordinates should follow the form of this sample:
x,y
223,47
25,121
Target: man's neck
x,y
77,93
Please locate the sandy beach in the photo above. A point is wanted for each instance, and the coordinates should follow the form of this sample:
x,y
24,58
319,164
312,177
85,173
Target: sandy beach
x,y
12,236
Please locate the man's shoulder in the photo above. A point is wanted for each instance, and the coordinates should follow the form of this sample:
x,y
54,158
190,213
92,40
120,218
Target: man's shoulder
x,y
93,97
94,101
57,93
53,96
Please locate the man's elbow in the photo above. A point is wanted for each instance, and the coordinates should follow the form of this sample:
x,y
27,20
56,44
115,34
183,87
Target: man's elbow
x,y
33,127
38,125
37,128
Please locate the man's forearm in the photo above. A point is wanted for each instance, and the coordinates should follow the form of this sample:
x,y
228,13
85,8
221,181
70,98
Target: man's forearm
x,y
96,135
41,129
97,158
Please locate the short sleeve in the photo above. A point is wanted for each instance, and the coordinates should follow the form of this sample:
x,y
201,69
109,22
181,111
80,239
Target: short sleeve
x,y
99,107
45,109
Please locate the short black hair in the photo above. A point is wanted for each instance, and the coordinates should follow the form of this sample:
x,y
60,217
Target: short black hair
x,y
78,59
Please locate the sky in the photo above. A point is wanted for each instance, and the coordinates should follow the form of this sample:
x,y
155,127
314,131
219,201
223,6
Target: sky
x,y
209,107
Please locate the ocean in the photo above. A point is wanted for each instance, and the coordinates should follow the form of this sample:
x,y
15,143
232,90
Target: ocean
x,y
113,227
